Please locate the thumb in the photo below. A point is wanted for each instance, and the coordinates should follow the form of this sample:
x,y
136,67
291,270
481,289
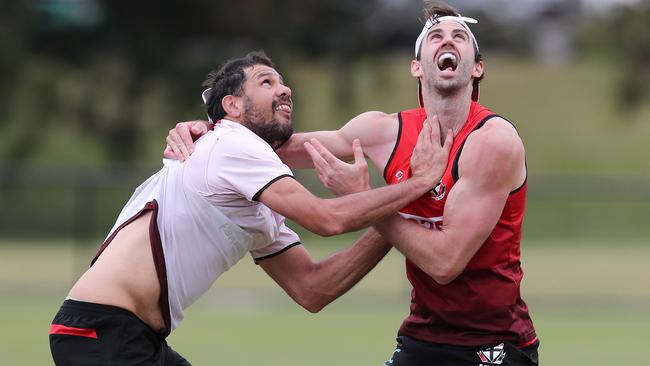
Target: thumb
x,y
168,153
449,140
199,129
359,158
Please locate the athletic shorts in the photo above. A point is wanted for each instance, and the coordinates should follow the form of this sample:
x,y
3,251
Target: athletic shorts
x,y
88,334
411,352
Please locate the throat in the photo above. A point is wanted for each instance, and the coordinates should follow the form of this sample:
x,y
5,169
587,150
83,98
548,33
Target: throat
x,y
452,114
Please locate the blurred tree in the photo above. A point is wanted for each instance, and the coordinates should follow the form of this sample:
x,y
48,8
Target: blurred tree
x,y
92,63
630,33
111,70
622,37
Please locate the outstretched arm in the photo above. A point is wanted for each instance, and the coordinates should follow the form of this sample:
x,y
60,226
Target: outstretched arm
x,y
355,211
314,285
377,132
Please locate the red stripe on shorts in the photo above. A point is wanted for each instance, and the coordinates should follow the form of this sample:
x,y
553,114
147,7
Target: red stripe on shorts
x,y
80,332
528,343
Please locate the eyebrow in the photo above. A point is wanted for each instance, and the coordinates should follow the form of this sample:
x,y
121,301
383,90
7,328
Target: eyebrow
x,y
455,30
271,74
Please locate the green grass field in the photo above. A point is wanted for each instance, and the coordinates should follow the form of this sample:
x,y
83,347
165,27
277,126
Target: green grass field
x,y
589,302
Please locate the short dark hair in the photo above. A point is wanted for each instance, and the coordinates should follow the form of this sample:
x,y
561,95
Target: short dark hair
x,y
229,80
436,8
433,8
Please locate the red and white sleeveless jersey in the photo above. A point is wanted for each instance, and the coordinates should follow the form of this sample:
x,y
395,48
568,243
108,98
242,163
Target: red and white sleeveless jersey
x,y
483,304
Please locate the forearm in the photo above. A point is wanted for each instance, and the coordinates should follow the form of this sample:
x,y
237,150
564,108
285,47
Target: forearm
x,y
335,275
359,210
428,249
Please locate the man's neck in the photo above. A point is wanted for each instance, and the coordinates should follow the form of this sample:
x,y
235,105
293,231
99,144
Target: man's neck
x,y
452,110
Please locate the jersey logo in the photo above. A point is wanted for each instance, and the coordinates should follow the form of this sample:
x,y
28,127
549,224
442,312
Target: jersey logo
x,y
399,175
426,222
439,191
492,356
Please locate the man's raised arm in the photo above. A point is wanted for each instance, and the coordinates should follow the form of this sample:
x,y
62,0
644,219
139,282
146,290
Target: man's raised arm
x,y
355,211
374,130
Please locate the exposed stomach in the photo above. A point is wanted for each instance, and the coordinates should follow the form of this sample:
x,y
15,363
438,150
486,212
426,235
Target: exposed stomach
x,y
124,275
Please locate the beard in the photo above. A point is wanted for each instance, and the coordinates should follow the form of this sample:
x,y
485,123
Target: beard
x,y
272,131
449,87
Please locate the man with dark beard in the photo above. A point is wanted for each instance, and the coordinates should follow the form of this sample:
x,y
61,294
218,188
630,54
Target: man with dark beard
x,y
461,240
191,221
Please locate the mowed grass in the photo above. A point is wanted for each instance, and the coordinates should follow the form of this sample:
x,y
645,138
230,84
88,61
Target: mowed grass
x,y
589,302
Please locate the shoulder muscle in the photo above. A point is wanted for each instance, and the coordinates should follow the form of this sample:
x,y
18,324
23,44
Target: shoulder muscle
x,y
494,154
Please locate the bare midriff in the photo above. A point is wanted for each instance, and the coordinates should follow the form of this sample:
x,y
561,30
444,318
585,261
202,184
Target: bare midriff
x,y
124,275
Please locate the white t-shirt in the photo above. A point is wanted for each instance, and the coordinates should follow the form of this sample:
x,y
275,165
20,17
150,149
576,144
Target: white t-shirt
x,y
208,214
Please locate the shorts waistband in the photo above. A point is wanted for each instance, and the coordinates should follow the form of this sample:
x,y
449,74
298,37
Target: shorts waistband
x,y
91,308
94,309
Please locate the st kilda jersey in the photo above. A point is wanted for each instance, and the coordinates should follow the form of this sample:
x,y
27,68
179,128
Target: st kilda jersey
x,y
483,304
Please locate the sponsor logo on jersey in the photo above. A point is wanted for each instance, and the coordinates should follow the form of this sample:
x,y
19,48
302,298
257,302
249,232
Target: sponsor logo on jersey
x,y
438,192
399,175
425,222
492,356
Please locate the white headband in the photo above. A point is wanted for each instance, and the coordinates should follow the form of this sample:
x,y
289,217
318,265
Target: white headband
x,y
205,96
435,20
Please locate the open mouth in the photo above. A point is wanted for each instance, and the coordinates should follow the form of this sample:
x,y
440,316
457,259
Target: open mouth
x,y
447,61
283,107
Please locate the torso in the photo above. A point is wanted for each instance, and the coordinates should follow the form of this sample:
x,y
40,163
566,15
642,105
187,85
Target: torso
x,y
134,285
186,225
483,304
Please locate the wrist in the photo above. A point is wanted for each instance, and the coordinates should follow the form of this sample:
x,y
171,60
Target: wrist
x,y
421,184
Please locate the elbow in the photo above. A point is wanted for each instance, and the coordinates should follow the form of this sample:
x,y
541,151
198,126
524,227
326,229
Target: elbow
x,y
313,307
311,303
444,279
327,225
331,229
444,275
335,219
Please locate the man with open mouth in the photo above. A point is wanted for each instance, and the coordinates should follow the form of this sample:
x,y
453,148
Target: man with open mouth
x,y
189,223
462,239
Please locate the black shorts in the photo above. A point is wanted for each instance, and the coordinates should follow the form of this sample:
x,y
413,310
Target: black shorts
x,y
88,334
412,352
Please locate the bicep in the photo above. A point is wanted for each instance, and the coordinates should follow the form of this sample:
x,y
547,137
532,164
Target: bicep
x,y
471,213
293,153
489,168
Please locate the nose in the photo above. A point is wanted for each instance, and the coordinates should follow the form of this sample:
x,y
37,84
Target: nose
x,y
284,90
447,39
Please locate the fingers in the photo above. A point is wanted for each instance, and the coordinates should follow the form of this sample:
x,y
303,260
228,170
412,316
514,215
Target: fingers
x,y
183,138
324,153
180,140
169,153
359,158
434,124
319,163
424,139
177,152
449,140
316,157
197,130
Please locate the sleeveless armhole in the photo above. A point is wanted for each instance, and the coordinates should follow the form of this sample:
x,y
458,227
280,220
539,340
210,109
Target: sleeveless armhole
x,y
397,141
454,168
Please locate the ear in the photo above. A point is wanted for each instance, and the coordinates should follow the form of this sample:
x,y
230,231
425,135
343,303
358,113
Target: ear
x,y
416,69
232,105
478,69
